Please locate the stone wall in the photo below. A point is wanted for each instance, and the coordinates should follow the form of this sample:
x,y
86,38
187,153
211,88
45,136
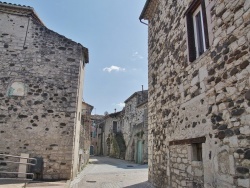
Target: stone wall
x,y
206,98
40,83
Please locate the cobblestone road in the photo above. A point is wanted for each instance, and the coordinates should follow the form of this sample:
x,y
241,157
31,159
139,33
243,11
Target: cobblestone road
x,y
105,172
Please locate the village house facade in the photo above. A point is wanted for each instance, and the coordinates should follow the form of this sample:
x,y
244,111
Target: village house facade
x,y
124,134
110,138
41,84
94,131
199,92
85,138
135,127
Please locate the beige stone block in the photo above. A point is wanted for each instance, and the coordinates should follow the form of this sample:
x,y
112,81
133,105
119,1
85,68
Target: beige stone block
x,y
227,16
236,156
214,109
244,183
245,130
220,97
217,40
246,5
245,119
222,106
220,8
246,163
243,143
198,172
233,141
238,14
220,86
242,40
236,124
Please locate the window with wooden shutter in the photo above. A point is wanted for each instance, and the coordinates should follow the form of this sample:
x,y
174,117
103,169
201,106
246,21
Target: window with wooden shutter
x,y
197,32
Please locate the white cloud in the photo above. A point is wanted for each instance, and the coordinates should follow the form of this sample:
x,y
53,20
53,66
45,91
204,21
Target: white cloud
x,y
121,104
113,68
136,56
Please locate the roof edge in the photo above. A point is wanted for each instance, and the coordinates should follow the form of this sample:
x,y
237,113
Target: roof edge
x,y
148,10
144,10
135,93
27,8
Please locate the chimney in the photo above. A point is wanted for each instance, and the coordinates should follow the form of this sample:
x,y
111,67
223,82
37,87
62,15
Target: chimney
x,y
141,93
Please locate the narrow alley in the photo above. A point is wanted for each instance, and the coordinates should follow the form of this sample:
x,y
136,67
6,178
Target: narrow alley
x,y
105,172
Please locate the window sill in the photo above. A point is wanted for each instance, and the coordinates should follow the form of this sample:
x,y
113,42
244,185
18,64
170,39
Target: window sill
x,y
196,163
201,56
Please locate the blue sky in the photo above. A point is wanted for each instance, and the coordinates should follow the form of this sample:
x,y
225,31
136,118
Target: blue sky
x,y
116,40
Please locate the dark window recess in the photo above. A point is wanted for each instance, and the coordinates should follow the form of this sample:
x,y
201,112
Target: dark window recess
x,y
197,152
191,40
114,126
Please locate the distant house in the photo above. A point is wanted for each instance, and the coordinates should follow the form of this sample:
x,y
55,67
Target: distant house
x,y
41,84
111,142
85,137
199,93
135,127
124,134
95,120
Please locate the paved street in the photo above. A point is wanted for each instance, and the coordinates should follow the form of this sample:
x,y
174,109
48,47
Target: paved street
x,y
101,172
105,172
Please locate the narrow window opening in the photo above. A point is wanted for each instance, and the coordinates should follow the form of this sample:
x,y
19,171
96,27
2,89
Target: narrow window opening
x,y
197,152
114,126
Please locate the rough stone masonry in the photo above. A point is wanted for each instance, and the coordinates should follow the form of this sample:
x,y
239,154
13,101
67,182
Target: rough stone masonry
x,y
41,75
199,112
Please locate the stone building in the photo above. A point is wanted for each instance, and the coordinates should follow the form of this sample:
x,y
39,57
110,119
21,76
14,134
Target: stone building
x,y
135,127
85,139
199,92
111,142
41,79
95,120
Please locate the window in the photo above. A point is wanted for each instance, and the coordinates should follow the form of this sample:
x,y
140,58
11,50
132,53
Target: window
x,y
114,126
197,152
197,31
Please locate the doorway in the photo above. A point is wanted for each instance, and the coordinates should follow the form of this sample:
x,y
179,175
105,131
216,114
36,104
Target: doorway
x,y
139,158
91,150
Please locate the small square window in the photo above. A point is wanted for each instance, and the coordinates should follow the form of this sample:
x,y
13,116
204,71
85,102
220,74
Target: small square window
x,y
197,31
197,152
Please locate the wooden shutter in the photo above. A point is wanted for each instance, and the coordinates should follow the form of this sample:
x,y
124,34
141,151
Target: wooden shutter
x,y
191,39
204,16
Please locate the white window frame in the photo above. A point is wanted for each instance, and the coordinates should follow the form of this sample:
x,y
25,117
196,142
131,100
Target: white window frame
x,y
195,31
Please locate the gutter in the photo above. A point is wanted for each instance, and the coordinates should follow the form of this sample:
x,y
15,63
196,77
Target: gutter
x,y
143,12
25,8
